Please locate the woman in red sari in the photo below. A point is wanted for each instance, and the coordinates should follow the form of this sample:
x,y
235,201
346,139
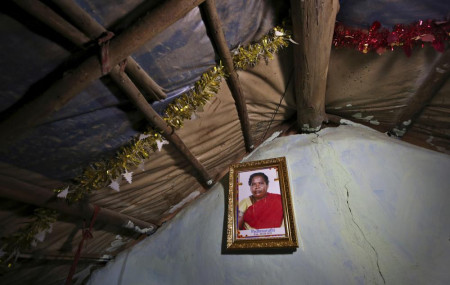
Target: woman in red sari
x,y
262,210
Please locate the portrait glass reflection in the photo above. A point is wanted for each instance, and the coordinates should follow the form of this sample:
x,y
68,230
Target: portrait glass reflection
x,y
260,212
260,208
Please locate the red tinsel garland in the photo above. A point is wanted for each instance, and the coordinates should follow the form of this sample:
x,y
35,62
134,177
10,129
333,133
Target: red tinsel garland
x,y
405,36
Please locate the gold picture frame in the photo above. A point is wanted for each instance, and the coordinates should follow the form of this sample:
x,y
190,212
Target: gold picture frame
x,y
254,201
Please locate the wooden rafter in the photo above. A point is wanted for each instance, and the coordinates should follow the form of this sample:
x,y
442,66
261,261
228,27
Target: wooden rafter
x,y
313,26
73,82
431,85
124,82
47,16
20,191
138,99
91,28
63,259
143,80
214,26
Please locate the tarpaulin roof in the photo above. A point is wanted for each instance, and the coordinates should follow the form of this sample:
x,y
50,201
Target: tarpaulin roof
x,y
50,153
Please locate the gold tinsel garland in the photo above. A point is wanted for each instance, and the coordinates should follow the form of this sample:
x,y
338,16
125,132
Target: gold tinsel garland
x,y
184,106
277,39
26,236
98,174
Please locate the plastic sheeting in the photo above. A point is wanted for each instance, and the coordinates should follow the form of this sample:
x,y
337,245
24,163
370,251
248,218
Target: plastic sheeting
x,y
372,88
166,179
214,137
100,120
362,13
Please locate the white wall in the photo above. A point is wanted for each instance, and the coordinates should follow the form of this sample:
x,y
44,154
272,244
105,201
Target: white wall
x,y
398,228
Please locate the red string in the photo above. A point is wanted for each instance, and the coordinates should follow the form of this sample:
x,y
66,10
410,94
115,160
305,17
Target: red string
x,y
103,42
122,65
86,234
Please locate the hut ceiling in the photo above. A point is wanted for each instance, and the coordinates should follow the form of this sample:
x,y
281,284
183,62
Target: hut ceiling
x,y
130,110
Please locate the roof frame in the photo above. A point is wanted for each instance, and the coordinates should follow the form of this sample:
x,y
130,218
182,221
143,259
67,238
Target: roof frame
x,y
214,26
313,27
13,189
433,82
73,82
93,30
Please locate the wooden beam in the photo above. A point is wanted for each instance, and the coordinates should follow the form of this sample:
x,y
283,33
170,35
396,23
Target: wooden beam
x,y
313,25
20,191
74,81
143,80
437,76
61,258
90,27
82,19
214,27
47,16
167,132
335,119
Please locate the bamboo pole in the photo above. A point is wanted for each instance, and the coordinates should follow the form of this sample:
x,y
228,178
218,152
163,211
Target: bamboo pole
x,y
61,259
90,27
143,80
20,191
437,76
313,26
214,27
47,16
167,132
74,81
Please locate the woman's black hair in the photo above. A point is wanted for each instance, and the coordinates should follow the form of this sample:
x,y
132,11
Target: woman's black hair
x,y
258,174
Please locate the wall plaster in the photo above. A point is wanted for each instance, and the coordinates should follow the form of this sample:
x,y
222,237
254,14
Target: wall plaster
x,y
369,210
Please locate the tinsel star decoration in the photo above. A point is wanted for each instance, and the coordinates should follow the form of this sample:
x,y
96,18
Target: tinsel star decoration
x,y
114,185
63,193
161,143
128,176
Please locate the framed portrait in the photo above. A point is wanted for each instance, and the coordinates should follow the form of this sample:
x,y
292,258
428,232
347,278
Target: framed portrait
x,y
260,210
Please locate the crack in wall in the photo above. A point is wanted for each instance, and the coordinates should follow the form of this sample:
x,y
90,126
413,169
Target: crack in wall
x,y
329,151
364,236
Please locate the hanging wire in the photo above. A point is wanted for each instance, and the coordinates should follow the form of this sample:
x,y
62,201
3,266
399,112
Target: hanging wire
x,y
278,106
